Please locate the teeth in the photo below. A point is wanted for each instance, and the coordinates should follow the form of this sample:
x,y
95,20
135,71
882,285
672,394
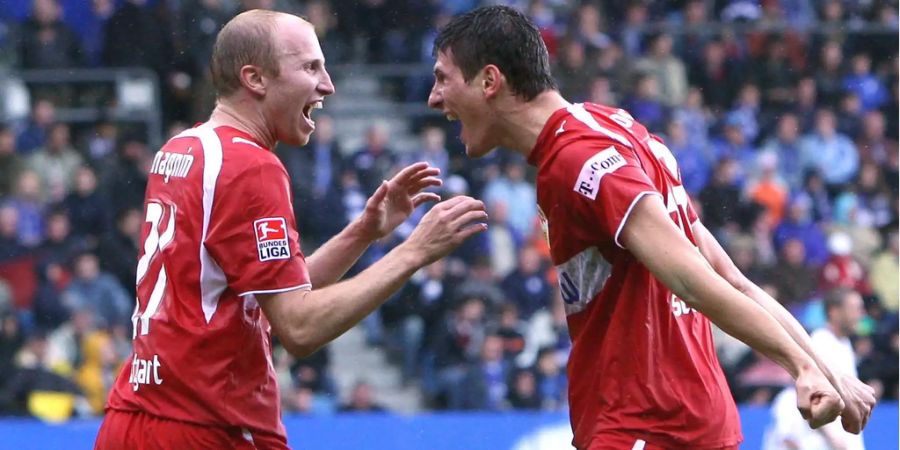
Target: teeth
x,y
451,117
318,105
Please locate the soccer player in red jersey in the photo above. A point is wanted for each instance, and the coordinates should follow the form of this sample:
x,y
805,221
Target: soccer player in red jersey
x,y
221,266
640,276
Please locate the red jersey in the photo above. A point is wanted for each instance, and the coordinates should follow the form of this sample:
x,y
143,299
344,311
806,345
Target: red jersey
x,y
219,228
642,361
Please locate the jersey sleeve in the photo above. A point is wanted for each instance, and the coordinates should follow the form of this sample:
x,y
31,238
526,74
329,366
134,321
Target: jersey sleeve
x,y
603,183
252,233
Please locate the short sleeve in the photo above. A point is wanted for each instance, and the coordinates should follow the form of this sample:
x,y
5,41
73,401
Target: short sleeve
x,y
252,233
604,183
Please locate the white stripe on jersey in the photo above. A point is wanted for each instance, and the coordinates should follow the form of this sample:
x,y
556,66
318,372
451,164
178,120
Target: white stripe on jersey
x,y
212,278
639,444
577,111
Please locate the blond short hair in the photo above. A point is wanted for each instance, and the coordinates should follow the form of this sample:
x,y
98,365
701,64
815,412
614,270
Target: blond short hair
x,y
244,40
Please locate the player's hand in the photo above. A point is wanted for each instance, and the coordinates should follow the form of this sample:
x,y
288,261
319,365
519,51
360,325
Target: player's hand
x,y
817,400
395,199
445,227
859,399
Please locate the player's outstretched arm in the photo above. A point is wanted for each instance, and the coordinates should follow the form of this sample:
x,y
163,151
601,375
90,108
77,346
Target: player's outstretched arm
x,y
305,320
859,398
651,236
388,207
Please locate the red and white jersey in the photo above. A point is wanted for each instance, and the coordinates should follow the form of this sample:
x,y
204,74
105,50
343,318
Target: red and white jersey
x,y
642,361
219,228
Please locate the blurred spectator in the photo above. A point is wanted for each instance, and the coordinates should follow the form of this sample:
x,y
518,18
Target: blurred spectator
x,y
696,120
49,309
831,153
745,113
527,287
799,225
60,246
872,143
11,339
361,400
134,37
86,206
862,82
716,76
786,146
65,350
774,75
101,144
667,68
551,380
517,195
484,386
457,342
885,273
850,115
522,392
768,189
814,189
572,71
34,389
46,42
842,270
315,172
510,331
694,161
118,248
806,102
733,144
28,204
374,162
645,105
93,289
10,163
721,197
830,73
126,179
588,29
794,280
56,163
10,246
33,133
98,370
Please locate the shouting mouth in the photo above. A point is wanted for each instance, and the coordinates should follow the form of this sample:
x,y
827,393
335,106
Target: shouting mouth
x,y
307,111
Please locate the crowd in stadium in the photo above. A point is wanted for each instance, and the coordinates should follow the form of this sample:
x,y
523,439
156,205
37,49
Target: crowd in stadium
x,y
782,115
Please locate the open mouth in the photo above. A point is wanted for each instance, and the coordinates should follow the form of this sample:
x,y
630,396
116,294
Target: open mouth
x,y
307,111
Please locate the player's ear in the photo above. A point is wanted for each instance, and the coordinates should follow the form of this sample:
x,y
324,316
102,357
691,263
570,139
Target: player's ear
x,y
492,80
253,79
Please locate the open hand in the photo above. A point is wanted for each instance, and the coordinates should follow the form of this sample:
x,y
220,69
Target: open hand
x,y
394,201
445,227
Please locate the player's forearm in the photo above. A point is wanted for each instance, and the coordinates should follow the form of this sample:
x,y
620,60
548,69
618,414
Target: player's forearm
x,y
336,256
324,314
793,328
744,319
724,266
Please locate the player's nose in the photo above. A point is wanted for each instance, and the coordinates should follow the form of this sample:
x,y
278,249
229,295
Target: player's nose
x,y
435,99
326,87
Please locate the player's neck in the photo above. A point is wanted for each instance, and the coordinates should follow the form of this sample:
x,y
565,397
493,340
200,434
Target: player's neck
x,y
249,120
520,123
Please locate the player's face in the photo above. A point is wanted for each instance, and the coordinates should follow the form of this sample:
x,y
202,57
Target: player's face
x,y
301,85
463,101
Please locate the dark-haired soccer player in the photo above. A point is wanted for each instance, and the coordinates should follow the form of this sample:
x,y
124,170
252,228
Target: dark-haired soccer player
x,y
640,275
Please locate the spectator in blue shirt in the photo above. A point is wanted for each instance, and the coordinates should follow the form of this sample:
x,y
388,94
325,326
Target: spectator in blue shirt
x,y
870,90
831,153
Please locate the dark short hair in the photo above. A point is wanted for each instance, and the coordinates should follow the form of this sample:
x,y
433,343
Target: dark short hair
x,y
835,299
504,37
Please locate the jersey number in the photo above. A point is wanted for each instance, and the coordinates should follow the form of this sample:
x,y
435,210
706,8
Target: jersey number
x,y
154,243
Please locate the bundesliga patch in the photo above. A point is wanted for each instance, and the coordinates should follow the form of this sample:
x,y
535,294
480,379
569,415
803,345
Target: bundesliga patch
x,y
272,238
602,163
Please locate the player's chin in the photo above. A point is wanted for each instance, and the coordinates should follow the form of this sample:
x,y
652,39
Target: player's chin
x,y
476,150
